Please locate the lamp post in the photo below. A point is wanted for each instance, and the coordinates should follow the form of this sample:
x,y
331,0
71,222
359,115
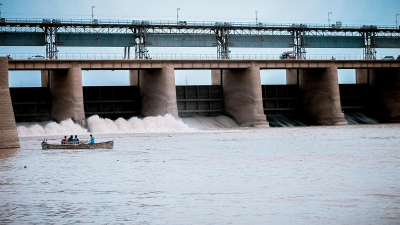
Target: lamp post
x,y
177,15
329,20
92,12
395,16
256,17
0,9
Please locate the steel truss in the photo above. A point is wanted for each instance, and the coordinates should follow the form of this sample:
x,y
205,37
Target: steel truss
x,y
51,42
369,48
222,31
141,51
223,51
299,47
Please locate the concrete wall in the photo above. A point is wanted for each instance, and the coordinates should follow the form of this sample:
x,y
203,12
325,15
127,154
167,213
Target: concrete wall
x,y
243,96
158,92
291,76
385,97
319,90
67,95
8,129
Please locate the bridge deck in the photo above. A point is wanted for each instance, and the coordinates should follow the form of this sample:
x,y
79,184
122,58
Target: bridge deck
x,y
196,64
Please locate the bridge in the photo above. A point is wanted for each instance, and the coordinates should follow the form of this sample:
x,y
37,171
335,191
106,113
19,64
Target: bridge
x,y
141,34
312,89
197,64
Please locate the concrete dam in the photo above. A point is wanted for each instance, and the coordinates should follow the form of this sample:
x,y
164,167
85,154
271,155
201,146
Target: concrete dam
x,y
312,90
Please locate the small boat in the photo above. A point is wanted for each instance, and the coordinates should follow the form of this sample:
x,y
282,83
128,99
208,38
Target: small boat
x,y
100,145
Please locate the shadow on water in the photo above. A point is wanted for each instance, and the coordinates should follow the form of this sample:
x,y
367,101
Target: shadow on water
x,y
292,120
289,120
360,118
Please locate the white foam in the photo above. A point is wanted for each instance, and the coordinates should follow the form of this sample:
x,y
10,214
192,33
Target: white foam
x,y
164,123
152,124
201,122
65,127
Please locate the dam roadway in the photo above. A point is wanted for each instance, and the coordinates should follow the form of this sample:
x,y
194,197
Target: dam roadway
x,y
26,64
242,97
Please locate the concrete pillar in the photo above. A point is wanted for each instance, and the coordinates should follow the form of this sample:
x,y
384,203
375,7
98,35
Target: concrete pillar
x,y
361,76
67,95
385,84
158,92
8,128
320,95
215,77
133,77
291,76
243,96
44,78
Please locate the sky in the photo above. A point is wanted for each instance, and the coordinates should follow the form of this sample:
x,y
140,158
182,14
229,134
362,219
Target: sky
x,y
355,12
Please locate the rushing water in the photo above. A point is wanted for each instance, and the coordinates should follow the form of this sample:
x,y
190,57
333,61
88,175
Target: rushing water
x,y
166,171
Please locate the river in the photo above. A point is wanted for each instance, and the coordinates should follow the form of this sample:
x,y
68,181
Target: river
x,y
173,172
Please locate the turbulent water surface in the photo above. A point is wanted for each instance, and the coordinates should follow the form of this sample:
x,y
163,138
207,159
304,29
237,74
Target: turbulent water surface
x,y
166,171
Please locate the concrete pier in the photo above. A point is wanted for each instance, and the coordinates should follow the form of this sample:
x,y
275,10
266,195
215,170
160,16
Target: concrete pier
x,y
320,95
362,76
133,77
67,95
158,92
385,84
243,96
8,128
291,76
215,77
44,78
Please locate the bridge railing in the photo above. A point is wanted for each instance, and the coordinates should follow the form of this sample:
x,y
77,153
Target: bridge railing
x,y
66,22
161,56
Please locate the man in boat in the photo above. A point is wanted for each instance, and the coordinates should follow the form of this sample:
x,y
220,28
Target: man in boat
x,y
76,140
71,140
91,139
64,140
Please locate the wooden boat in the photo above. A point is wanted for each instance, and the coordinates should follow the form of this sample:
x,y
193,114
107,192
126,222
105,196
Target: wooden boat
x,y
100,145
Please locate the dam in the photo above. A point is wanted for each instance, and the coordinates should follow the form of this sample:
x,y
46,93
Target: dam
x,y
312,90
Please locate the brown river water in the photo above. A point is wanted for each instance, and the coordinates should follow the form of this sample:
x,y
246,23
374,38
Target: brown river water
x,y
291,175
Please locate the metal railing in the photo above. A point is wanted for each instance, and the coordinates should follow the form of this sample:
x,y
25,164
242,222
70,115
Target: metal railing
x,y
58,22
162,56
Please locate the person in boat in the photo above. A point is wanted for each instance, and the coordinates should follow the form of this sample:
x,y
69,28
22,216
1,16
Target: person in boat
x,y
71,140
76,140
91,139
64,140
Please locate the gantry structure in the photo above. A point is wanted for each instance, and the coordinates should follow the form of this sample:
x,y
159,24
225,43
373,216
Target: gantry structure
x,y
141,34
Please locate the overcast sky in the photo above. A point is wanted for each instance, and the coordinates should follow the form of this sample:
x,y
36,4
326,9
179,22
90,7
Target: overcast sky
x,y
358,12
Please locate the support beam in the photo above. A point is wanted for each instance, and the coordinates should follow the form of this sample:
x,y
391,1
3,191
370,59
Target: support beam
x,y
386,93
8,128
299,47
369,48
291,76
158,92
320,95
215,77
223,51
140,42
243,96
67,95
